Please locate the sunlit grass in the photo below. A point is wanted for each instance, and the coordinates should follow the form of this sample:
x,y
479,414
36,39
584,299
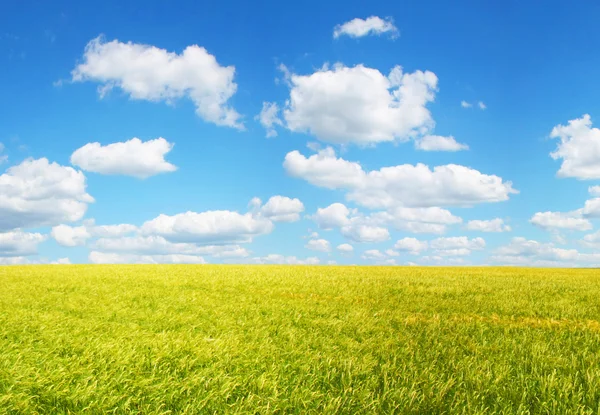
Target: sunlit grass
x,y
282,339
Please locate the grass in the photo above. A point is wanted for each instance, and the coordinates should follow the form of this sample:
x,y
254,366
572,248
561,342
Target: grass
x,y
304,340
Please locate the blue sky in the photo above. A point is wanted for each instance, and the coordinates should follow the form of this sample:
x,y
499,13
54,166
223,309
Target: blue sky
x,y
389,133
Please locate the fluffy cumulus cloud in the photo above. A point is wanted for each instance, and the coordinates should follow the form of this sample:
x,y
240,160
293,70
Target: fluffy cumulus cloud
x,y
335,215
579,149
345,248
282,209
71,236
130,158
360,105
456,246
521,251
210,227
411,245
321,245
465,104
433,220
157,245
373,254
492,225
561,220
19,244
269,118
40,193
146,72
358,231
403,185
439,143
372,25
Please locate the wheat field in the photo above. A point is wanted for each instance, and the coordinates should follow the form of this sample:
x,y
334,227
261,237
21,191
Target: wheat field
x,y
210,339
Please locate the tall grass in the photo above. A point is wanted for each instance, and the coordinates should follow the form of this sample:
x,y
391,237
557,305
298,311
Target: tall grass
x,y
302,340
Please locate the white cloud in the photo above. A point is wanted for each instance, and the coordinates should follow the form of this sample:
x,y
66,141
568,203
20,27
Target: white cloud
x,y
332,216
372,25
456,246
402,185
360,105
481,105
157,245
492,225
130,158
521,251
19,244
417,220
345,248
149,73
112,258
465,104
269,118
71,236
320,245
594,191
282,209
39,193
591,208
579,149
210,227
411,245
289,260
61,261
112,231
360,232
439,143
561,220
373,254
391,252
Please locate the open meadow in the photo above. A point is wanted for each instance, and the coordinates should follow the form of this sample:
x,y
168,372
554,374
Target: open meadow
x,y
167,339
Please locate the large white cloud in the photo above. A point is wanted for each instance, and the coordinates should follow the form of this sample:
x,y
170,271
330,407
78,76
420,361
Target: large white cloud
x,y
456,245
417,220
335,215
71,236
373,25
411,245
129,158
358,231
492,225
149,73
19,244
38,193
403,185
360,105
579,149
210,227
561,220
282,209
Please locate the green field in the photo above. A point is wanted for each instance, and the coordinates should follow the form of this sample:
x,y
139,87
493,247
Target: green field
x,y
308,340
